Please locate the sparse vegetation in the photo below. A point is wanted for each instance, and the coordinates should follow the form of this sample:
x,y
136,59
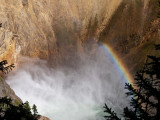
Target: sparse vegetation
x,y
92,26
9,111
4,68
144,93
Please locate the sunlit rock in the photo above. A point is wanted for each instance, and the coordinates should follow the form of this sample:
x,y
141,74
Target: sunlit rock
x,y
43,118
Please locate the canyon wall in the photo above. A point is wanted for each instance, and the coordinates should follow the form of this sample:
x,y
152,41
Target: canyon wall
x,y
48,29
5,90
59,30
132,32
23,30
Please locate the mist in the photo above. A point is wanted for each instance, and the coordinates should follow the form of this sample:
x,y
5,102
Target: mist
x,y
68,93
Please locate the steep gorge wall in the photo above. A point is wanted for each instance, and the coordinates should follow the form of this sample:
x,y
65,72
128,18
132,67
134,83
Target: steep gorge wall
x,y
48,29
132,31
5,90
129,21
58,30
25,27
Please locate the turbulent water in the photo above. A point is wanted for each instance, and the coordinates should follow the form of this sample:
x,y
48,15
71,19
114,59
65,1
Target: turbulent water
x,y
71,94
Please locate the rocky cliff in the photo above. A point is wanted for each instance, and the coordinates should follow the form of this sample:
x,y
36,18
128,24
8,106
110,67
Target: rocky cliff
x,y
49,29
58,30
132,31
5,90
46,28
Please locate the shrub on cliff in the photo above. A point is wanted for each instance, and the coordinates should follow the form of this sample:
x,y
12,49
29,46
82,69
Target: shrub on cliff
x,y
4,68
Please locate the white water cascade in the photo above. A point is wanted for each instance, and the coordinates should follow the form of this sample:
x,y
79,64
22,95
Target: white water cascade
x,y
71,94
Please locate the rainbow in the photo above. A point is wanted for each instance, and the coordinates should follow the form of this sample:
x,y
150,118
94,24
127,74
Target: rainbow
x,y
121,67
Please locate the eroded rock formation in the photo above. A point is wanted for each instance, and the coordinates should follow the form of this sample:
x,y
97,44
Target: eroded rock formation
x,y
47,29
57,31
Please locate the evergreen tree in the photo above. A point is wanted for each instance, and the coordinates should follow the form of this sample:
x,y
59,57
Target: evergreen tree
x,y
8,111
4,68
27,106
34,109
111,114
144,93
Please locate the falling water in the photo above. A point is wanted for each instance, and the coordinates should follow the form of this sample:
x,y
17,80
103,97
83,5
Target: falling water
x,y
71,94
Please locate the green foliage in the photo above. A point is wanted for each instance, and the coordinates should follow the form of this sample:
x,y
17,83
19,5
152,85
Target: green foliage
x,y
27,106
34,109
16,102
144,94
8,111
1,78
20,111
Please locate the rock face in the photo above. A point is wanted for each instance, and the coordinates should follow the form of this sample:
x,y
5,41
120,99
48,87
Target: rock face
x,y
46,29
58,30
5,90
132,31
24,24
43,118
49,29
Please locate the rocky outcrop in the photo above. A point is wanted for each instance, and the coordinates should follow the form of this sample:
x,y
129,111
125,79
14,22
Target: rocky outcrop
x,y
58,30
132,32
128,24
48,29
26,26
9,49
43,118
5,90
137,56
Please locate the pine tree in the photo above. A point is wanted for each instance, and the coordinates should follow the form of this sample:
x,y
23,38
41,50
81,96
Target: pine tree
x,y
9,111
27,106
34,109
4,68
111,114
144,93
